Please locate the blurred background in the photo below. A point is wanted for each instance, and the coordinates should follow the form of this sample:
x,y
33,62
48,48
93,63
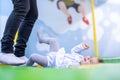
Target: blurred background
x,y
53,23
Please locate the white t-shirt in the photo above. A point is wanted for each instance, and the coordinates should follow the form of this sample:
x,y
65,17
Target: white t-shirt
x,y
61,59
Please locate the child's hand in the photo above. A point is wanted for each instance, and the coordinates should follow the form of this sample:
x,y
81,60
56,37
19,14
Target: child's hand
x,y
85,46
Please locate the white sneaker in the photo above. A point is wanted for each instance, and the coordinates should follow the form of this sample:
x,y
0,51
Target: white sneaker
x,y
24,58
10,59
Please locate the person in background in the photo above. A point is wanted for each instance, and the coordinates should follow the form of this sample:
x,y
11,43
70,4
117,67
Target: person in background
x,y
64,5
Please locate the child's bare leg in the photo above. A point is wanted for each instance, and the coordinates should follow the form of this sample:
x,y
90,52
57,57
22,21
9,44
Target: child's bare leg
x,y
82,11
52,42
63,8
36,58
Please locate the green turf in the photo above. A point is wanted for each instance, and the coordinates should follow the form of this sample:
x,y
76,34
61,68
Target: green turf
x,y
109,71
112,60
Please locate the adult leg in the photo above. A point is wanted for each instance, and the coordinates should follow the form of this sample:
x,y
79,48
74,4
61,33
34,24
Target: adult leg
x,y
52,42
36,58
21,8
26,28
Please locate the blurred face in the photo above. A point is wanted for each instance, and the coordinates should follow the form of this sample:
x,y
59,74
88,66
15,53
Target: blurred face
x,y
89,60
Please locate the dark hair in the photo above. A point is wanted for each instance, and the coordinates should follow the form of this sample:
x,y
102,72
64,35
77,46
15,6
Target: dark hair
x,y
100,60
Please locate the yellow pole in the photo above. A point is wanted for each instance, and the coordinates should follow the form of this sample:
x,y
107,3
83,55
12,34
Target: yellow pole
x,y
94,30
16,36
